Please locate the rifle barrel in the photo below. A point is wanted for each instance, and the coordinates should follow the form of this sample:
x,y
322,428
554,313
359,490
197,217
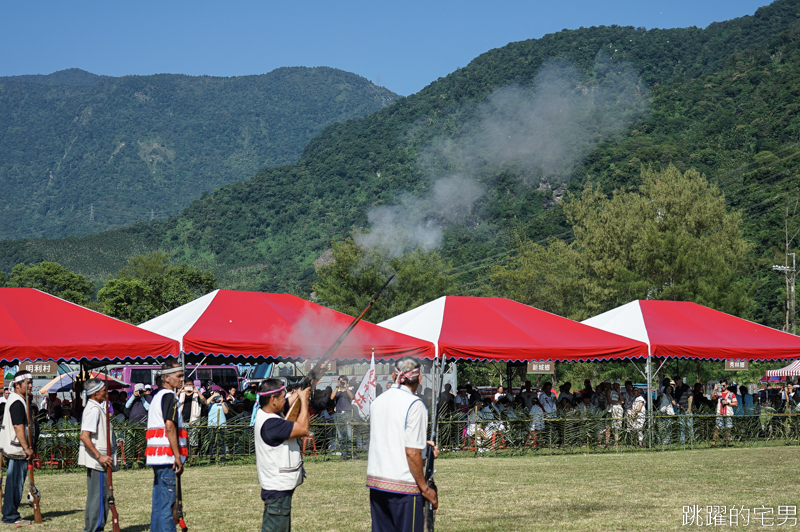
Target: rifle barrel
x,y
312,374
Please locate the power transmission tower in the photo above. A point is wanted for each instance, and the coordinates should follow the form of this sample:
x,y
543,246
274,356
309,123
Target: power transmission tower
x,y
91,213
152,215
790,273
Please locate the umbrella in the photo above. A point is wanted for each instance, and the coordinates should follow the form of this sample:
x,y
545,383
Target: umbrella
x,y
63,383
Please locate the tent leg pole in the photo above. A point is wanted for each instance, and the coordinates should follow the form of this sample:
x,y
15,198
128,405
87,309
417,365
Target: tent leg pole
x,y
649,371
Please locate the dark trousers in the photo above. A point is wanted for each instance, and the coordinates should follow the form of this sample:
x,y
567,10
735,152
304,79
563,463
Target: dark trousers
x,y
164,496
12,494
96,500
395,512
277,515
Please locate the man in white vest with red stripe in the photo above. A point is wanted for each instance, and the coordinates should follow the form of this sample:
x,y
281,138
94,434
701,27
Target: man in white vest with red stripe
x,y
397,438
166,446
279,461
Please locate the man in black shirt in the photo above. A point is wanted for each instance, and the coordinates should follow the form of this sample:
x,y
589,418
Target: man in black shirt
x,y
14,440
278,459
684,397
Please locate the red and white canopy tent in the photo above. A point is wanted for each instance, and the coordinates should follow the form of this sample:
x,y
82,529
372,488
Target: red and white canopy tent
x,y
685,330
792,370
35,325
499,329
681,329
245,325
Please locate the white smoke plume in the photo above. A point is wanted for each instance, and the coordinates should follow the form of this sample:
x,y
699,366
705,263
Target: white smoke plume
x,y
542,131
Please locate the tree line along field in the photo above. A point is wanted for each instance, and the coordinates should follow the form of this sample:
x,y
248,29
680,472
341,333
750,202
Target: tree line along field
x,y
628,492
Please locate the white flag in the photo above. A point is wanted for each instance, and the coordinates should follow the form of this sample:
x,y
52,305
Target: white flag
x,y
366,392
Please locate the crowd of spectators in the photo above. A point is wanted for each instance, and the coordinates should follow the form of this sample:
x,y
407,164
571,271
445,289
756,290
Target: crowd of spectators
x,y
617,410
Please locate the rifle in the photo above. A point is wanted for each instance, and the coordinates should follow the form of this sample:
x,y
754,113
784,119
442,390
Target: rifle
x,y
112,505
177,513
34,491
428,512
316,372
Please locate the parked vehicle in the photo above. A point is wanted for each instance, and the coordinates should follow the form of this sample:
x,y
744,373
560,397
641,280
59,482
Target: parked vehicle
x,y
226,377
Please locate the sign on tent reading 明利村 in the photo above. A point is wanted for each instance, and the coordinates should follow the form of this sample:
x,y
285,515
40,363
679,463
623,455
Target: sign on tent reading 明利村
x,y
40,368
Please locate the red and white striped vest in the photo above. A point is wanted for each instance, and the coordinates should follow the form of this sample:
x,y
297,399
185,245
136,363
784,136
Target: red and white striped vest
x,y
158,450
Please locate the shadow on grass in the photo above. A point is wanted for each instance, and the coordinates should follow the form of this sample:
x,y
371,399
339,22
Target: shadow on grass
x,y
51,515
136,528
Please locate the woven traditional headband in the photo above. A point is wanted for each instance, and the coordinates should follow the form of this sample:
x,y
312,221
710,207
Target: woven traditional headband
x,y
23,377
272,392
176,369
257,404
403,376
89,391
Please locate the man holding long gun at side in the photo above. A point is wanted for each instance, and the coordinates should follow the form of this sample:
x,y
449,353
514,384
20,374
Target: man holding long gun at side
x,y
14,442
95,456
397,438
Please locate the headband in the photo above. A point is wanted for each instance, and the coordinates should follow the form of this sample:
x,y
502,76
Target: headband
x,y
271,392
23,377
171,370
403,376
257,404
87,392
93,389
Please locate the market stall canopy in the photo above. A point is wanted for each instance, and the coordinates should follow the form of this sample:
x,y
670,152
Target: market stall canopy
x,y
792,370
681,329
38,326
492,328
235,324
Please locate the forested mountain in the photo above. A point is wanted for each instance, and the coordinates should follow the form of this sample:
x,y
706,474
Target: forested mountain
x,y
721,99
81,153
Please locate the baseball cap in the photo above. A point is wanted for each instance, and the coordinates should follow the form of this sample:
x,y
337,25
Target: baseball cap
x,y
148,387
138,387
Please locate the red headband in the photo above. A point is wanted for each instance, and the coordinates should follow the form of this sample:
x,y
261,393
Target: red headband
x,y
403,376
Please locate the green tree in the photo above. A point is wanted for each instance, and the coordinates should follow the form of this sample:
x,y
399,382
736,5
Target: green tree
x,y
149,286
348,283
674,239
54,279
545,277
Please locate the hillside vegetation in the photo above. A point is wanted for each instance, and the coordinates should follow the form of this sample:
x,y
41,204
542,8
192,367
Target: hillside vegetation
x,y
722,100
81,153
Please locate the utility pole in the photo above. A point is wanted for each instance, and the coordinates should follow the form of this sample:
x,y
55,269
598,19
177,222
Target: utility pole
x,y
790,274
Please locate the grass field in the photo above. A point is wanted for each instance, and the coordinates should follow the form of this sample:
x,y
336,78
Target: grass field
x,y
597,492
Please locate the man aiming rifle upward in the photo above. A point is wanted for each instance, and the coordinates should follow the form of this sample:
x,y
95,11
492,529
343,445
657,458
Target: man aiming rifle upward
x,y
279,461
397,437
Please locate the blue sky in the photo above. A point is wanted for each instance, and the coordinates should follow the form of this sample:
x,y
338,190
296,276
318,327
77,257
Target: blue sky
x,y
404,45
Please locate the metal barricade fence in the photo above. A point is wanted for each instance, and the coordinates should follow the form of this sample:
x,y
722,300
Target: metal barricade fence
x,y
459,434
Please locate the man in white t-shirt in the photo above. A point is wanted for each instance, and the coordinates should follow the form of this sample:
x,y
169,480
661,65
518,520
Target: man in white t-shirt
x,y
501,392
397,440
94,454
548,400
